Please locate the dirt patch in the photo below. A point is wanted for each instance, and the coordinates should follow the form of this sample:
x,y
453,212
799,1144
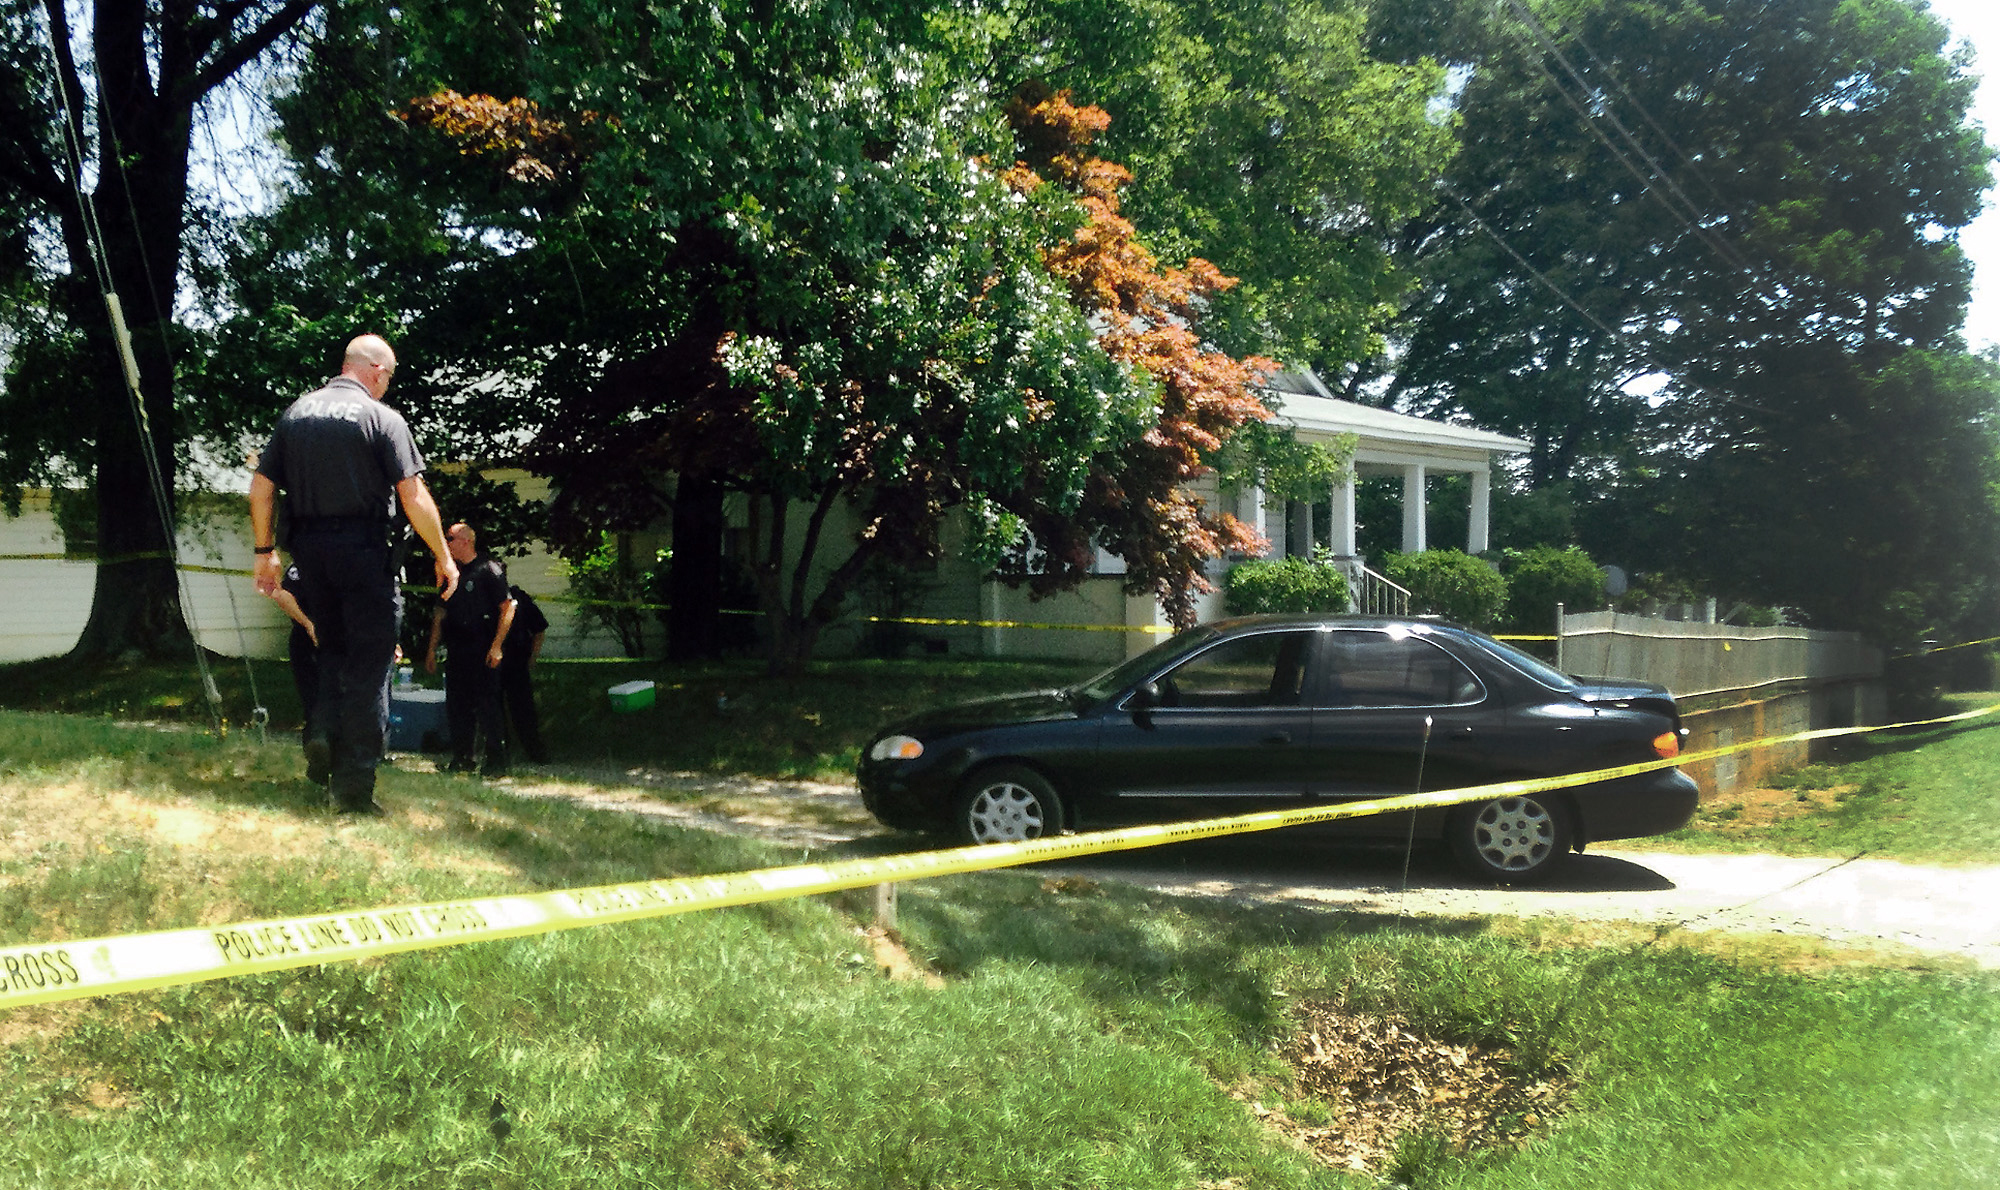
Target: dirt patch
x,y
1751,809
893,959
78,819
1366,1082
796,812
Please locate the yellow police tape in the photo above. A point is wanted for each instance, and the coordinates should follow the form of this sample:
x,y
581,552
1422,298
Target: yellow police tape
x,y
93,559
1964,644
1166,629
69,970
1161,629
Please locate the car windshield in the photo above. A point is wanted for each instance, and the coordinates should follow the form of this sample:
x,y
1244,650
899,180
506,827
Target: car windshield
x,y
1548,675
1153,660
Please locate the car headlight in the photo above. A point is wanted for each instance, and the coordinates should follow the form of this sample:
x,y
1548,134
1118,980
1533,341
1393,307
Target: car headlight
x,y
896,747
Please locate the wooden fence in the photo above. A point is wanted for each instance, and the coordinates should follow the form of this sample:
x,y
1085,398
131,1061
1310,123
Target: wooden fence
x,y
1700,659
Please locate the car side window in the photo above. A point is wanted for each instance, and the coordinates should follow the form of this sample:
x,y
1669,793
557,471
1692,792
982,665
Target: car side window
x,y
1376,669
1264,670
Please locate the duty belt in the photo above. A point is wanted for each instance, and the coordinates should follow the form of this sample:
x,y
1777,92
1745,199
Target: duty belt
x,y
332,524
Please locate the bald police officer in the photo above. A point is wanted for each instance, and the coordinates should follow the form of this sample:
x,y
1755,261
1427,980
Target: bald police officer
x,y
343,459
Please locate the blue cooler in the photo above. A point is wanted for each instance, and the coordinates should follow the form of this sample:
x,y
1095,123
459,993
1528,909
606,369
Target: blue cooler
x,y
416,713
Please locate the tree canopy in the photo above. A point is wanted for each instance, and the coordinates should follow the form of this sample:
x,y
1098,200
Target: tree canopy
x,y
1697,253
1026,258
778,252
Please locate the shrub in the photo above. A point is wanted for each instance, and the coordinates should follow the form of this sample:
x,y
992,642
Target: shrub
x,y
1451,584
1284,585
614,590
1540,578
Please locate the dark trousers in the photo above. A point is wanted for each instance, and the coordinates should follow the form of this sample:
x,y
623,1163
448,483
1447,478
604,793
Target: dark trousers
x,y
517,691
356,607
472,701
304,658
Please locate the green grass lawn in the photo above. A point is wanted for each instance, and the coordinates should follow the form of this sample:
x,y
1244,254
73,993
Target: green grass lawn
x,y
718,717
1924,795
1071,1035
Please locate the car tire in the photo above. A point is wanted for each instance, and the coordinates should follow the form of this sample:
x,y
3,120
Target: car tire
x,y
1007,804
1512,840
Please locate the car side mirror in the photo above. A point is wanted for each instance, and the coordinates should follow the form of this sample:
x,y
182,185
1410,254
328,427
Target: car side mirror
x,y
1146,696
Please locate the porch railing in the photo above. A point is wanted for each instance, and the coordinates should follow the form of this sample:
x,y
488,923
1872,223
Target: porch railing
x,y
1374,595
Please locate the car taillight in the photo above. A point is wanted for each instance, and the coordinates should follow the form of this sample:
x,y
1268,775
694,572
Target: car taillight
x,y
1667,744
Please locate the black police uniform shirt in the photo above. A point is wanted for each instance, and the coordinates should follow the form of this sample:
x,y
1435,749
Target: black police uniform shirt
x,y
472,614
339,452
528,621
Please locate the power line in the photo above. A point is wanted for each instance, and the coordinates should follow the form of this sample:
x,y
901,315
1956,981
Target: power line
x,y
1565,297
100,262
1687,159
1653,179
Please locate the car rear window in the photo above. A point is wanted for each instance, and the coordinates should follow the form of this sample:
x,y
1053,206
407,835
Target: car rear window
x,y
1548,675
1381,669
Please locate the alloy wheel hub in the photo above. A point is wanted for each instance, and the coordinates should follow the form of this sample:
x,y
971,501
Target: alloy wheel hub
x,y
1006,814
1515,834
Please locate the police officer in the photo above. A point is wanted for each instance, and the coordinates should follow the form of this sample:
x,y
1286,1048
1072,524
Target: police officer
x,y
302,651
517,681
343,461
473,625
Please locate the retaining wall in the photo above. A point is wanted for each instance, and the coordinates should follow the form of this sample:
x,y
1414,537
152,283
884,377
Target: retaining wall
x,y
1838,704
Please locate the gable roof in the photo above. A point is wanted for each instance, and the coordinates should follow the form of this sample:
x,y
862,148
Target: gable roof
x,y
1304,402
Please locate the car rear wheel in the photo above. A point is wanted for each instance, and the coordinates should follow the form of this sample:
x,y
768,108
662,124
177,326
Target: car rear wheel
x,y
1007,804
1518,840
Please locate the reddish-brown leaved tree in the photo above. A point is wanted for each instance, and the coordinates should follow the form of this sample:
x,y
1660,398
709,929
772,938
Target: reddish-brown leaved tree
x,y
1139,504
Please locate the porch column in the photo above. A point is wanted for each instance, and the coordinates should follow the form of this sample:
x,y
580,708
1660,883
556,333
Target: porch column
x,y
1343,516
1299,534
1482,500
1251,510
1413,509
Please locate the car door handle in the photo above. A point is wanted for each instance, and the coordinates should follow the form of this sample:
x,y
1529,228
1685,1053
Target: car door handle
x,y
1278,737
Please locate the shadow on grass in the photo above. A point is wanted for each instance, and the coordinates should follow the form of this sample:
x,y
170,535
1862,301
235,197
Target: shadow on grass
x,y
1125,947
1890,742
545,843
709,717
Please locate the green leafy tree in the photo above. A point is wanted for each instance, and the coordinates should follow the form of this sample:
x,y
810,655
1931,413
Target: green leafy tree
x,y
1262,135
1892,528
1137,502
839,297
1732,245
865,321
99,131
616,591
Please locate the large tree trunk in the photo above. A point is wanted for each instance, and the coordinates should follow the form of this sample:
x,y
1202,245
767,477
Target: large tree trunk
x,y
694,617
152,64
136,603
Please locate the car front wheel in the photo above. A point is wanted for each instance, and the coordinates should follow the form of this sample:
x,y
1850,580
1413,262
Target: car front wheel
x,y
1007,804
1518,840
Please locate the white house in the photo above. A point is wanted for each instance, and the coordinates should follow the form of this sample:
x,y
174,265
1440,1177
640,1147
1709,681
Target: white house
x,y
48,599
1386,443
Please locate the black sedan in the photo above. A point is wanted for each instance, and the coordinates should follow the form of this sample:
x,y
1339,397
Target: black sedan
x,y
1280,712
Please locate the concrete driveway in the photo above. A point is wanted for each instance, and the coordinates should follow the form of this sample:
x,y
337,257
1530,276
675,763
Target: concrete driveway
x,y
1853,901
1861,901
